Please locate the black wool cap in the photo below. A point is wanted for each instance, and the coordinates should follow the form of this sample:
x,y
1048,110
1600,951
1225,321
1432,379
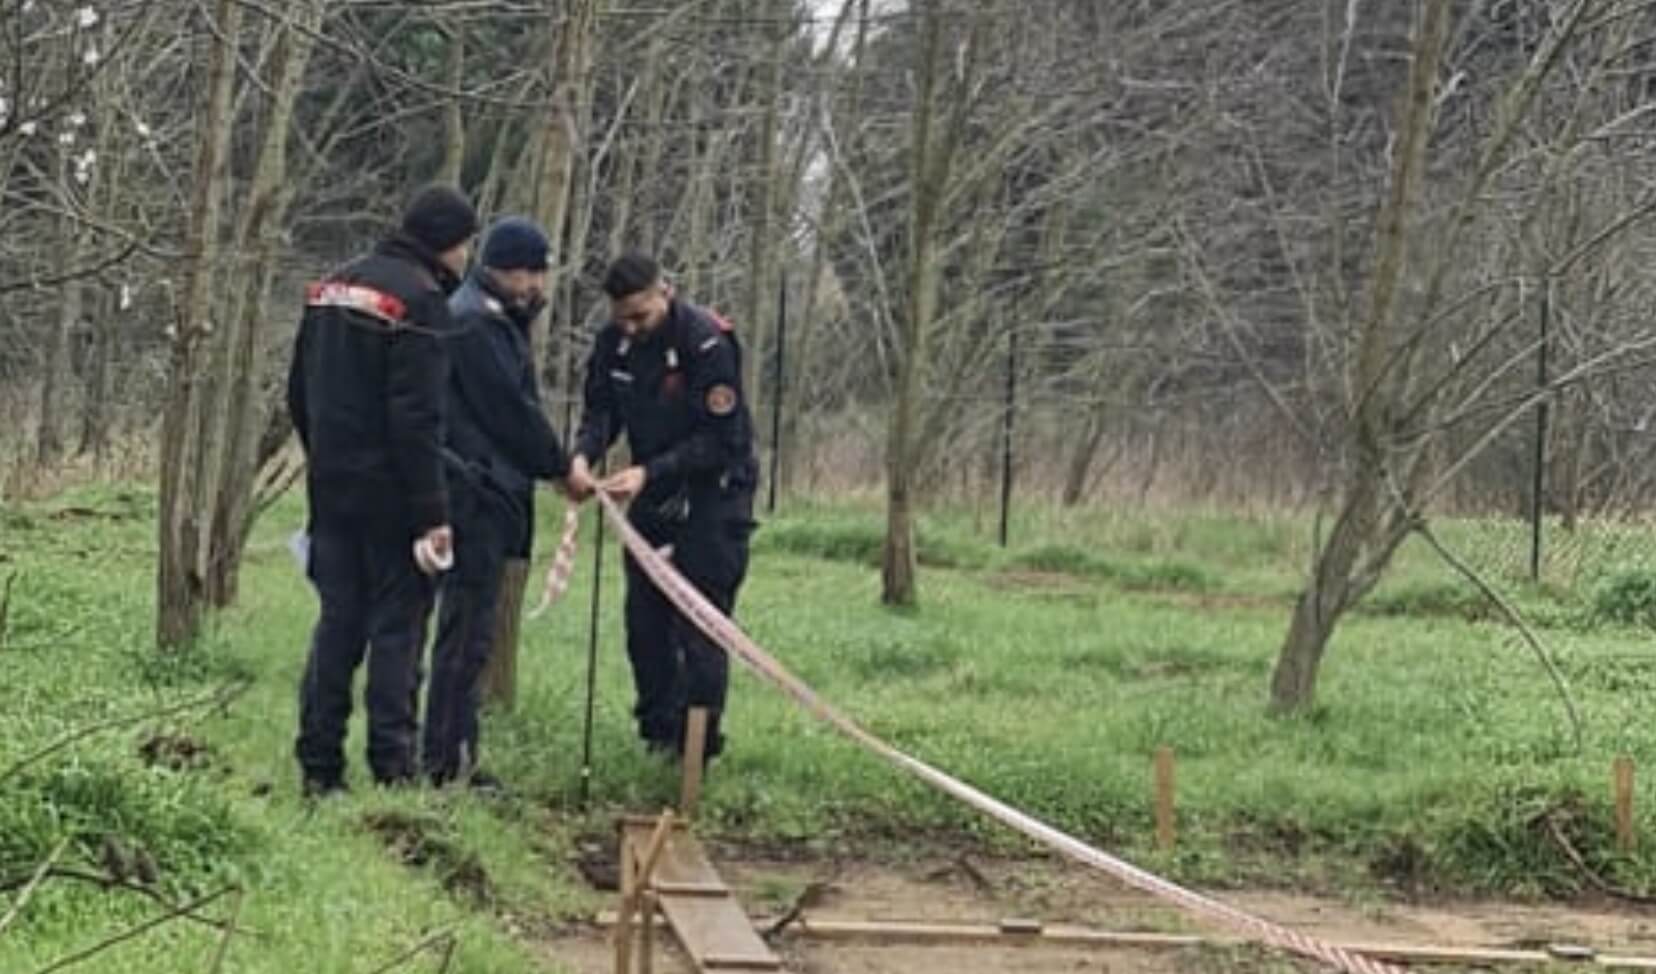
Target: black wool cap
x,y
515,243
440,217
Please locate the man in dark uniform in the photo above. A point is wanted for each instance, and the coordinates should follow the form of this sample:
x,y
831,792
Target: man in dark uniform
x,y
668,375
366,394
499,444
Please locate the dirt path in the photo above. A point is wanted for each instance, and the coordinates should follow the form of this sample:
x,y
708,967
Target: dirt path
x,y
973,891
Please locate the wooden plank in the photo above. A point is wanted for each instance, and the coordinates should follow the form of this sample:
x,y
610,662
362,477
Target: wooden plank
x,y
706,918
670,888
717,934
1062,935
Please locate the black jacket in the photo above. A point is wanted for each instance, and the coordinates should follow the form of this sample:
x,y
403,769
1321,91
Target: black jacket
x,y
366,388
497,432
678,397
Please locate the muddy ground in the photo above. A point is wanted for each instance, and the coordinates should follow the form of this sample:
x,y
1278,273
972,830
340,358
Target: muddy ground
x,y
961,890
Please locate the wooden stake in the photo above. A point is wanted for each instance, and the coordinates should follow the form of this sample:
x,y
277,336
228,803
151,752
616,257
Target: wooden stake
x,y
646,933
1623,774
635,883
499,677
652,852
695,747
1164,798
623,918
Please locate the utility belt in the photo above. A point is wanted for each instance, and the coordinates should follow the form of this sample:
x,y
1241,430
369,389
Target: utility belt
x,y
666,507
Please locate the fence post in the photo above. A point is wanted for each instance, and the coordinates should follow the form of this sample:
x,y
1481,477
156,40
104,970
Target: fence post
x,y
1623,774
1539,485
1164,798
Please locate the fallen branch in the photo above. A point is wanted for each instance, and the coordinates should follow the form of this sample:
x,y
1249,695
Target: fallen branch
x,y
5,608
1507,609
33,884
116,882
1588,873
441,938
230,930
808,897
222,697
132,933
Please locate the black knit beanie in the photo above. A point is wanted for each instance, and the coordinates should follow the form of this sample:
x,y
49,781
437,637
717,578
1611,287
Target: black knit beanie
x,y
440,217
515,243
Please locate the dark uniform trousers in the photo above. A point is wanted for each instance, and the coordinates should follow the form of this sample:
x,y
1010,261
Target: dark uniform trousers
x,y
674,665
376,602
483,530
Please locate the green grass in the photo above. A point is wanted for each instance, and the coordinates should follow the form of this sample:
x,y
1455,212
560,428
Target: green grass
x,y
220,806
1046,674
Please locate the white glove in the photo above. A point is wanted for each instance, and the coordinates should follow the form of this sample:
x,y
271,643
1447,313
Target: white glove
x,y
429,559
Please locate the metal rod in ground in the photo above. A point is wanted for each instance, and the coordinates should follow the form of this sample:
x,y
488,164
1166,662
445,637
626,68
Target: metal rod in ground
x,y
1536,500
777,390
573,391
592,658
1006,436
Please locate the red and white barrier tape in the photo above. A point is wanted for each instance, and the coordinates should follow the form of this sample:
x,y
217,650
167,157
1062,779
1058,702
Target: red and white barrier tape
x,y
563,563
721,630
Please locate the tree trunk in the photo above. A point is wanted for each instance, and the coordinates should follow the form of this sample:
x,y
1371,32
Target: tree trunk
x,y
49,445
54,376
1079,470
1333,585
94,434
659,90
898,571
1325,599
930,164
830,220
259,238
571,48
178,581
761,248
700,199
454,121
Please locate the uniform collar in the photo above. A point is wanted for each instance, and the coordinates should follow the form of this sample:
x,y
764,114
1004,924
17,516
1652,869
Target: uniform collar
x,y
406,247
668,334
498,304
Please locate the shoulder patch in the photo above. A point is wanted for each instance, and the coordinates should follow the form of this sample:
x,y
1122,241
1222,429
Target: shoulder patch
x,y
721,400
709,345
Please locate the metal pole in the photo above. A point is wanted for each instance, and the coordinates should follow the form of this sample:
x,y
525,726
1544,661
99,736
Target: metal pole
x,y
776,390
573,392
1006,435
592,655
1540,434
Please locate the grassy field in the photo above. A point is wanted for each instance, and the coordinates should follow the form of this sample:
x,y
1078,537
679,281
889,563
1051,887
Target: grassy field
x,y
1046,674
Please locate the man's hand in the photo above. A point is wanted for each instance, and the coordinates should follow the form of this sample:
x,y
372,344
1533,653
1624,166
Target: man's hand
x,y
626,484
434,552
579,485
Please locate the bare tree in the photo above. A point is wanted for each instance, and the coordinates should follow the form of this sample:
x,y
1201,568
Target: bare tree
x,y
180,585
